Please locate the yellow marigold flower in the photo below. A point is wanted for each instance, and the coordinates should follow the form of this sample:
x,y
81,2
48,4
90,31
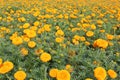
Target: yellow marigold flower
x,y
75,29
99,22
25,38
40,30
57,27
17,41
100,43
69,68
38,51
24,51
93,27
45,57
6,67
109,36
82,38
76,42
88,79
73,16
34,28
59,39
102,31
53,73
60,16
31,44
23,19
26,25
63,75
47,28
93,15
100,73
36,23
112,73
77,37
87,43
59,33
14,36
20,75
89,33
30,33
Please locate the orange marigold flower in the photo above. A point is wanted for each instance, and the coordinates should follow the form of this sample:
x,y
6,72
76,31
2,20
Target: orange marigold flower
x,y
53,73
47,27
82,38
93,27
100,43
36,23
112,73
89,33
88,79
63,75
100,73
30,33
24,51
59,39
6,67
31,44
20,75
17,41
45,57
109,36
26,25
59,33
69,68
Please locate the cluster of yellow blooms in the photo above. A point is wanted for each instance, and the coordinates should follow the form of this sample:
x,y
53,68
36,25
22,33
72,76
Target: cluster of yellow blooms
x,y
59,74
100,43
100,73
6,66
29,28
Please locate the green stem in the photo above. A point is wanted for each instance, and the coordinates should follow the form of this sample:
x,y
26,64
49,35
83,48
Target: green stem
x,y
8,77
45,73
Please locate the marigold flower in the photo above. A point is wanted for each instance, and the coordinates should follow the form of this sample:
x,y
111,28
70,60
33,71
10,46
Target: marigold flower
x,y
45,57
59,39
87,43
59,33
88,79
31,44
77,37
100,43
82,38
20,75
47,28
24,51
69,68
6,67
100,73
17,41
109,36
53,73
36,23
26,25
30,33
99,22
89,33
63,75
112,73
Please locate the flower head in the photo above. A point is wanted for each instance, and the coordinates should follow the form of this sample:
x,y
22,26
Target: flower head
x,y
20,75
45,57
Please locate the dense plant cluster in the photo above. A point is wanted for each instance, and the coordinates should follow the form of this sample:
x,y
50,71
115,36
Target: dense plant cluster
x,y
59,40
